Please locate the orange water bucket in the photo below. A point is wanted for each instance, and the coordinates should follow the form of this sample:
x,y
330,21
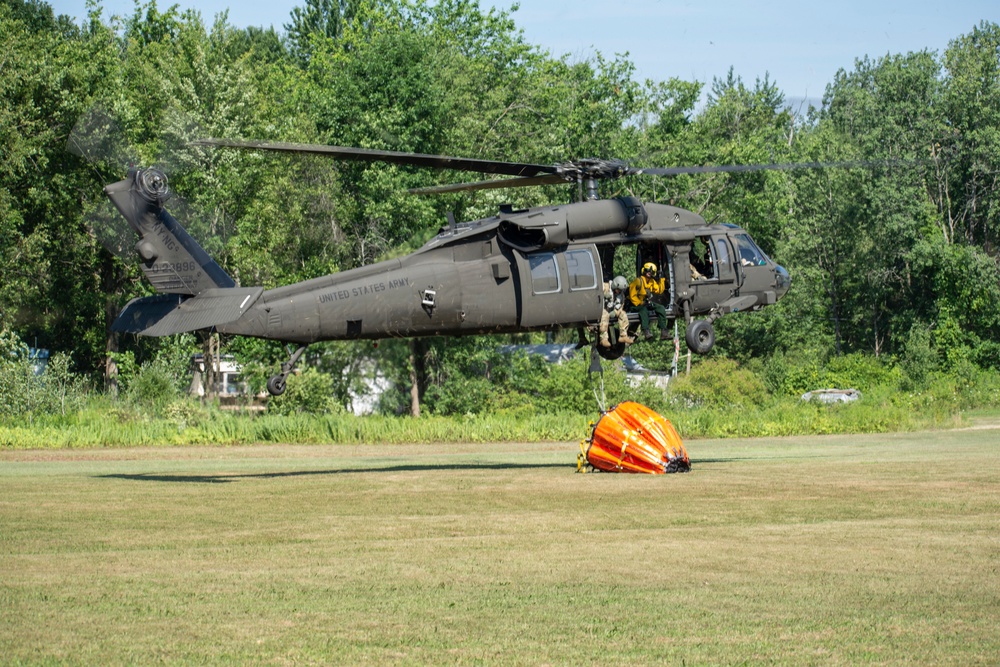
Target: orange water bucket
x,y
632,438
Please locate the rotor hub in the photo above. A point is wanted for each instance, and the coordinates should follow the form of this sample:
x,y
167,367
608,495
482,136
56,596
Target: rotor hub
x,y
152,184
594,168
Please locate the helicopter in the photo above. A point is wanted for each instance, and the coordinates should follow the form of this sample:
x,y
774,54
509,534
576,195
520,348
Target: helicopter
x,y
521,270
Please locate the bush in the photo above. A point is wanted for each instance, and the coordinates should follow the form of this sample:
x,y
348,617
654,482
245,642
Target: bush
x,y
57,391
919,359
152,387
474,376
462,395
529,386
858,371
719,383
793,374
187,412
565,387
309,391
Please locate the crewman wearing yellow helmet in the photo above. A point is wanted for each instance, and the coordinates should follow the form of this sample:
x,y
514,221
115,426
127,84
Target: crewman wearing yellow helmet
x,y
647,285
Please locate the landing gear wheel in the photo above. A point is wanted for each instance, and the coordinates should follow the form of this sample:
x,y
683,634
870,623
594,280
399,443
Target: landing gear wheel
x,y
700,336
616,350
276,385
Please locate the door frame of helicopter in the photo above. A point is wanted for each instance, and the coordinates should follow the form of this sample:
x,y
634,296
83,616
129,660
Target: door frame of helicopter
x,y
674,258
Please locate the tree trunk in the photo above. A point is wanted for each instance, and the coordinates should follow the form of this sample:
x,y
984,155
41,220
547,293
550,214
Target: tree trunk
x,y
418,375
110,349
210,355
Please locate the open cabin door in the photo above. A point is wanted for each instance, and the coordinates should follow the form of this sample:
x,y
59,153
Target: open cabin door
x,y
713,275
659,255
560,288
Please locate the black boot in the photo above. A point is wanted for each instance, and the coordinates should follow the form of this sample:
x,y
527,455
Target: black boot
x,y
647,334
664,334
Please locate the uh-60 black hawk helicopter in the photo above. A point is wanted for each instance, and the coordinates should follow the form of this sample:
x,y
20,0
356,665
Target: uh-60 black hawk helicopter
x,y
521,270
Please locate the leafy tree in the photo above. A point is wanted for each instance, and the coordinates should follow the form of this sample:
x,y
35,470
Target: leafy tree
x,y
962,180
316,21
895,261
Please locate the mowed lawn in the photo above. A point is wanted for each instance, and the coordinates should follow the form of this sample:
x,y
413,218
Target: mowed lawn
x,y
816,550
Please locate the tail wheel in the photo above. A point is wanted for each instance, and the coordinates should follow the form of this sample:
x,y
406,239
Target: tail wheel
x,y
700,336
276,385
616,350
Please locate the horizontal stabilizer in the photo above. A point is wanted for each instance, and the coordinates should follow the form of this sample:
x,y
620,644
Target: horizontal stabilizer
x,y
166,314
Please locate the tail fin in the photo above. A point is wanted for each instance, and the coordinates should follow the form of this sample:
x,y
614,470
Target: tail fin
x,y
173,261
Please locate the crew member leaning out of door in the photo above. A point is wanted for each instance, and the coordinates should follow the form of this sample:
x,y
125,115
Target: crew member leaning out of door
x,y
640,293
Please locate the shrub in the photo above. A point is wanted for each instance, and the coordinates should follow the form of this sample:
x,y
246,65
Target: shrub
x,y
565,387
56,392
793,374
462,395
718,382
152,387
919,358
62,391
858,371
309,391
187,412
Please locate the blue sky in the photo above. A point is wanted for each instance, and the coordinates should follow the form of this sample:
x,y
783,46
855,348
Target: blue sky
x,y
801,45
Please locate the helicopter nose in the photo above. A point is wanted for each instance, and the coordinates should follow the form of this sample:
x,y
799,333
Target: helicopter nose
x,y
782,281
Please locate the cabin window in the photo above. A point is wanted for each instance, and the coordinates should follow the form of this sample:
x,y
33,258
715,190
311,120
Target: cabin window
x,y
582,272
702,267
750,254
544,273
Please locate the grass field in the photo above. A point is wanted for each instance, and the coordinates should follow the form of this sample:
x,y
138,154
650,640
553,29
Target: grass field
x,y
804,550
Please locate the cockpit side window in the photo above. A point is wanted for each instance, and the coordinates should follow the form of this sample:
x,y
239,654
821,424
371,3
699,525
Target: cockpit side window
x,y
750,254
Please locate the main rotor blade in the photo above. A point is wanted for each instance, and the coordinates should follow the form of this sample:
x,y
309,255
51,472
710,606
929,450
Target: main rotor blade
x,y
394,157
500,184
737,168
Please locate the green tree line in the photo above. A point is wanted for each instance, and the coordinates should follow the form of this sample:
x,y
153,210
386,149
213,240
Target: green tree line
x,y
897,262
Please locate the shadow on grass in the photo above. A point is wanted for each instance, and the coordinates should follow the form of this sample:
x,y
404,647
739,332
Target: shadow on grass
x,y
226,478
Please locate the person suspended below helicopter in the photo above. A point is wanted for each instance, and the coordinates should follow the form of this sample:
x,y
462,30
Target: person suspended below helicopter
x,y
640,291
614,305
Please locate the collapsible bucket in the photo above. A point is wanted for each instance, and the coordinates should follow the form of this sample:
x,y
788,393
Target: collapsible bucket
x,y
632,438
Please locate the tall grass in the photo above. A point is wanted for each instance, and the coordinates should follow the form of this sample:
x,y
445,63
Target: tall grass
x,y
99,429
103,425
718,398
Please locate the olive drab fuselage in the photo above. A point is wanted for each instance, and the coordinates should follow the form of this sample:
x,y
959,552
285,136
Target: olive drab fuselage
x,y
521,270
537,269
